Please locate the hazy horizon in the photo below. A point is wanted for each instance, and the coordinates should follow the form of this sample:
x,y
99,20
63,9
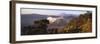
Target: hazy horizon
x,y
50,12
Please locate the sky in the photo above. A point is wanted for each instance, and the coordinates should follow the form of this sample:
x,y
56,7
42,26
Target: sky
x,y
50,12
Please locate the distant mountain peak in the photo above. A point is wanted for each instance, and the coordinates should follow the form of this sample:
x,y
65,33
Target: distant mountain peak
x,y
68,14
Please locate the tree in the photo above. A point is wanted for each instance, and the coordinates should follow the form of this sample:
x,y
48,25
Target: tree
x,y
41,26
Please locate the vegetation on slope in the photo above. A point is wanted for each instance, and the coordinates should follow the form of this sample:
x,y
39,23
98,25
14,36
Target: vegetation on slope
x,y
81,24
